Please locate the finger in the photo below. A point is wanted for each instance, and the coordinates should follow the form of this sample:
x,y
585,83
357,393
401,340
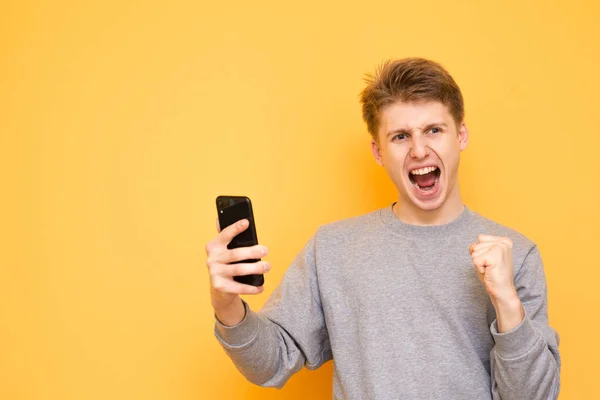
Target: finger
x,y
225,285
482,258
480,269
261,267
227,234
489,238
479,263
480,246
479,253
243,253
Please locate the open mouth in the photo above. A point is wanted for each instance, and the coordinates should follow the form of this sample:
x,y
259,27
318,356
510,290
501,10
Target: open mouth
x,y
425,179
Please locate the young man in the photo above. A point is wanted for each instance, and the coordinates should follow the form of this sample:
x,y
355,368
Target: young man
x,y
424,299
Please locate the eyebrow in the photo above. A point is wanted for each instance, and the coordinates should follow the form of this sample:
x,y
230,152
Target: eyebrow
x,y
426,128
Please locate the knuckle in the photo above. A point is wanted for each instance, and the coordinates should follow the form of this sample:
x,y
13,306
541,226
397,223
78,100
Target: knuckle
x,y
228,256
239,270
232,256
240,225
210,263
226,235
236,228
228,232
259,251
214,271
209,247
258,268
218,285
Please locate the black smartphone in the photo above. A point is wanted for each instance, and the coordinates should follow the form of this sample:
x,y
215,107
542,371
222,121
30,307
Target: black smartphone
x,y
231,209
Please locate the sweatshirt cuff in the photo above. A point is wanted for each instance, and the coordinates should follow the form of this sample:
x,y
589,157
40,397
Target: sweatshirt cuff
x,y
517,342
240,334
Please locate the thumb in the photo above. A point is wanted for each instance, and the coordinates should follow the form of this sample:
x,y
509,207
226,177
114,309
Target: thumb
x,y
479,264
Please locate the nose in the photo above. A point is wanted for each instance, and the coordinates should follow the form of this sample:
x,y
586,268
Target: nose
x,y
418,147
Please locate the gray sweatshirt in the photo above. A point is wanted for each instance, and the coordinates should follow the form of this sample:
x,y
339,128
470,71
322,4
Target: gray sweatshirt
x,y
401,311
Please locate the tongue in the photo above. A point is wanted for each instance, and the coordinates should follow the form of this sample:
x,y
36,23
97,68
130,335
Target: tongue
x,y
425,180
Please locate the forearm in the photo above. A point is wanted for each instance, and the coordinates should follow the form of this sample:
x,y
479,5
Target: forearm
x,y
262,353
289,332
525,361
509,313
523,365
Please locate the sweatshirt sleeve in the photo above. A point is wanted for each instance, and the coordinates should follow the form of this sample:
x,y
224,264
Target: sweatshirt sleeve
x,y
268,347
525,362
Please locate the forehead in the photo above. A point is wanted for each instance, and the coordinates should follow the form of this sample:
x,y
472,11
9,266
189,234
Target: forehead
x,y
412,115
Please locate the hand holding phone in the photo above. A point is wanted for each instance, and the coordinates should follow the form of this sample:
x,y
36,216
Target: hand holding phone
x,y
234,255
232,209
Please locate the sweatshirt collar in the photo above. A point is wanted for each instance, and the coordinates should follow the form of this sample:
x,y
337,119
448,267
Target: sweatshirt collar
x,y
427,231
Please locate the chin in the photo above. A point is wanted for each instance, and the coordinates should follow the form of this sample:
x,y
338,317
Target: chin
x,y
428,206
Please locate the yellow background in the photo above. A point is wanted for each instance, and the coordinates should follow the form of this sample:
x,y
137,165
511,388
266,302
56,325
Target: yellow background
x,y
121,121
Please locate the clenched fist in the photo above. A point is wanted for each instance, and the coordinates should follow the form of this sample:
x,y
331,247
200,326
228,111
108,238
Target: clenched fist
x,y
492,258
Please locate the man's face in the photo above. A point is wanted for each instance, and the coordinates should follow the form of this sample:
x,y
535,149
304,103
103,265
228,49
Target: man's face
x,y
419,145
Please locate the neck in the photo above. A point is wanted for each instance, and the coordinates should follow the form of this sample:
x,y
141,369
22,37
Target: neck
x,y
450,210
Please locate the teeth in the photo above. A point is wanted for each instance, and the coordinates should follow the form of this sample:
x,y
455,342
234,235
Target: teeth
x,y
423,171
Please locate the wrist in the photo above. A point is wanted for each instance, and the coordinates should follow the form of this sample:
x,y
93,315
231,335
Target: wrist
x,y
507,301
221,300
230,311
509,312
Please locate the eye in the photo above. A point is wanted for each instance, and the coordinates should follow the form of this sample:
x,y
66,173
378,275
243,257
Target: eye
x,y
400,136
435,129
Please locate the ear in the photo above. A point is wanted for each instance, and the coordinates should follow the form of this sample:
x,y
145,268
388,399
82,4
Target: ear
x,y
376,152
463,136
